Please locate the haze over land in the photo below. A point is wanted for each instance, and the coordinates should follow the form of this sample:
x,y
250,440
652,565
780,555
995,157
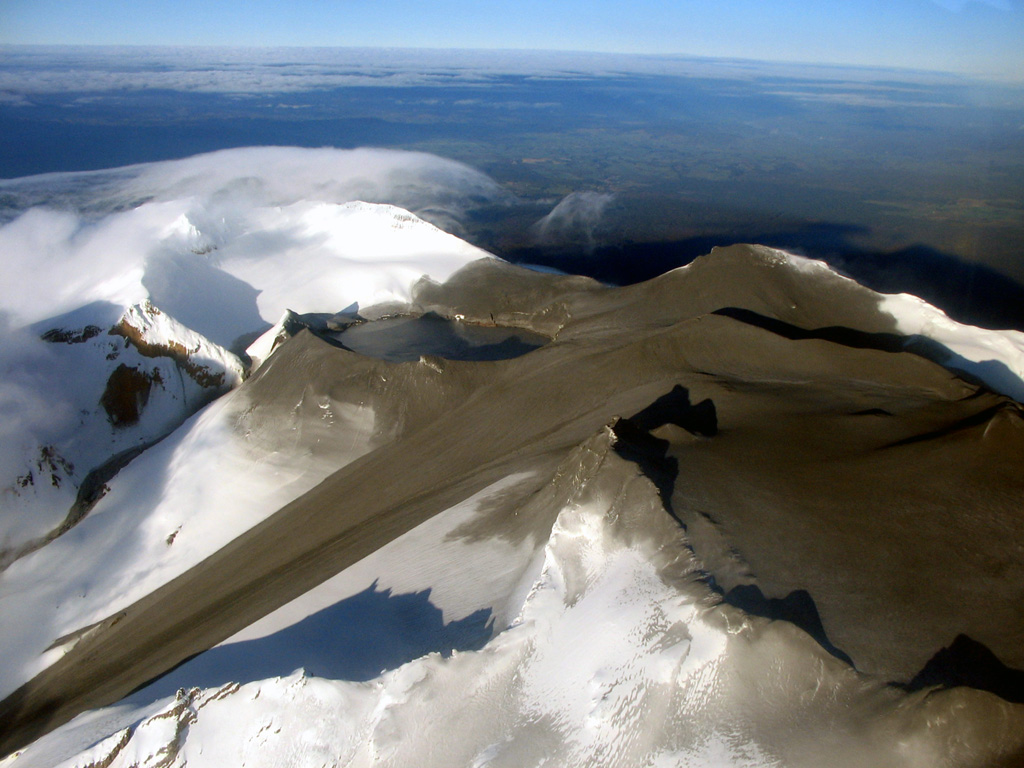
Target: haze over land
x,y
893,175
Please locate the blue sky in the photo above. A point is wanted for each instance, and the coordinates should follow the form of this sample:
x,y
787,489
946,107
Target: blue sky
x,y
971,36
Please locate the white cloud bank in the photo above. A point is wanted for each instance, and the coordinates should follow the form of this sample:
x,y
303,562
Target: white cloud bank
x,y
62,69
574,220
114,224
246,71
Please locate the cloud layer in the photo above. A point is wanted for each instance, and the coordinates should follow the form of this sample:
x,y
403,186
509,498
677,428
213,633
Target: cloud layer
x,y
77,238
264,176
28,70
574,220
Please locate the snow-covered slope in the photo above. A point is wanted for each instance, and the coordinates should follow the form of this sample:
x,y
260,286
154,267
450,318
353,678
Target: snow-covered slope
x,y
119,325
995,357
618,655
116,387
487,563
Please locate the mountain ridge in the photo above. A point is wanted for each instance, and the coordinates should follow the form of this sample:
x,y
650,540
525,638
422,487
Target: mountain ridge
x,y
790,412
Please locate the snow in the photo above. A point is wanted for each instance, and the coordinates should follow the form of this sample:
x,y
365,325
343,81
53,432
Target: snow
x,y
471,708
62,386
802,264
268,341
462,578
177,503
603,647
222,246
312,256
994,357
218,474
338,255
619,656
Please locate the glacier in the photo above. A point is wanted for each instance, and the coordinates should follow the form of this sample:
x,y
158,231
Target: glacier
x,y
734,515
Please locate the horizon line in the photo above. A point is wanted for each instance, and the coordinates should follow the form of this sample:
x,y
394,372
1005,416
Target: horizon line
x,y
680,56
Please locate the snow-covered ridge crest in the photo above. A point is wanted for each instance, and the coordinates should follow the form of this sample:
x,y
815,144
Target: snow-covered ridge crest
x,y
137,232
131,383
155,334
121,320
326,257
994,357
137,395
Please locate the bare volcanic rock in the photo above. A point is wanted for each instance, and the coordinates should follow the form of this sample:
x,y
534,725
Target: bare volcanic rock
x,y
823,471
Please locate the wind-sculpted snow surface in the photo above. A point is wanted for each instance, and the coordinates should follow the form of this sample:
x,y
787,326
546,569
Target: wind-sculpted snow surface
x,y
730,516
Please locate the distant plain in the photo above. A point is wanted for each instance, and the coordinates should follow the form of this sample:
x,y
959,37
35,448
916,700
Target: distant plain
x,y
908,181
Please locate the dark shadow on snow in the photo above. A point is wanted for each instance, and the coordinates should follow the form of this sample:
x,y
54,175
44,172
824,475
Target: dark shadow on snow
x,y
355,639
635,443
797,608
101,314
966,662
195,292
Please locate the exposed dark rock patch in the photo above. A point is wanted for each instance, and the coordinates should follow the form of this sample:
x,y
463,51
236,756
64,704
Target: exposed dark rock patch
x,y
48,463
127,393
65,336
